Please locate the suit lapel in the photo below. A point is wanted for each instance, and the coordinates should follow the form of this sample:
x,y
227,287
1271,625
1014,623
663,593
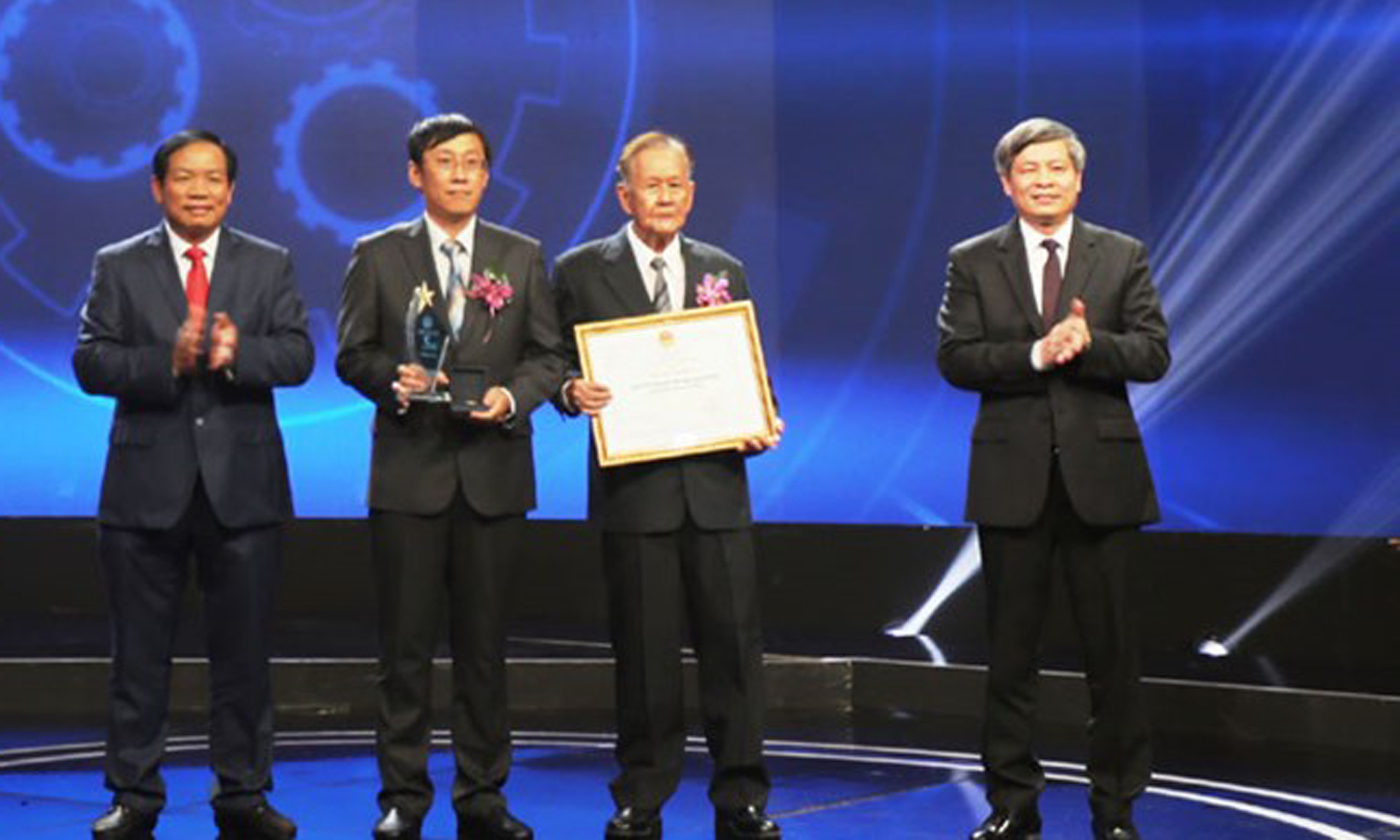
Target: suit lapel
x,y
693,272
486,253
1083,253
620,273
160,261
1017,273
223,282
419,267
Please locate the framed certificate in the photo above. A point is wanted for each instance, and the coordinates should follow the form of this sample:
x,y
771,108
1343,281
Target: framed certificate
x,y
682,383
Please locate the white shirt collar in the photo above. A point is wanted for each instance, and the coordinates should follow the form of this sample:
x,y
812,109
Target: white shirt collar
x,y
179,246
1033,237
671,253
437,236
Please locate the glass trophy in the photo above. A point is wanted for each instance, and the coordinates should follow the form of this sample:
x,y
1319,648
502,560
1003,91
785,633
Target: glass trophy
x,y
427,338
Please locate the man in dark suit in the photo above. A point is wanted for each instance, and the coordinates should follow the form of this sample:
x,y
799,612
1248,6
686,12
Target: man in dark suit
x,y
195,467
448,491
1048,318
676,533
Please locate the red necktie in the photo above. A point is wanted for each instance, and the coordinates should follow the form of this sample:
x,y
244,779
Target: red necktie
x,y
197,283
1050,283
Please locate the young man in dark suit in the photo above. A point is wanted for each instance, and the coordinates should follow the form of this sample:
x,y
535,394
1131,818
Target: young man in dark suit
x,y
1049,317
448,489
195,467
676,533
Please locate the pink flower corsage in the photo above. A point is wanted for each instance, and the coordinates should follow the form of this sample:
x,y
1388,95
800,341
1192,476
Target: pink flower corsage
x,y
493,290
713,290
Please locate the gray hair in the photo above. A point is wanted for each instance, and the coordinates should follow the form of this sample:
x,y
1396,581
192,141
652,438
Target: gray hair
x,y
650,140
1032,131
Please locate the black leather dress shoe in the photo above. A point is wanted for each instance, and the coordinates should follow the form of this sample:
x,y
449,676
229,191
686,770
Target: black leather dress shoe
x,y
496,824
1122,830
746,823
1008,825
259,822
123,822
634,824
397,825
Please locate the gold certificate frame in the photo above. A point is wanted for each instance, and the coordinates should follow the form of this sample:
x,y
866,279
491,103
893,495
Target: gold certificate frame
x,y
683,383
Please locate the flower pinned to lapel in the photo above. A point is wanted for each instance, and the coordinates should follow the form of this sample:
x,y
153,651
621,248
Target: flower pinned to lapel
x,y
713,290
494,291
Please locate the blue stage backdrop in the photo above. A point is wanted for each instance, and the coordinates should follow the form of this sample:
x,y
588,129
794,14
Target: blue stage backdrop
x,y
841,149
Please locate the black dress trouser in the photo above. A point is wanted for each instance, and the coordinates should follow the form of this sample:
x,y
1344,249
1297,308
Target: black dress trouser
x,y
146,572
1017,565
461,560
654,582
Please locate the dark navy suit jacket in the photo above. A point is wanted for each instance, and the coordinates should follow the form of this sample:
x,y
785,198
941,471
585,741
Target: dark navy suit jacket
x,y
167,430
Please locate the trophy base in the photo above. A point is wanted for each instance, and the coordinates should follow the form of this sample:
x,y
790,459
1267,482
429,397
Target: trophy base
x,y
431,398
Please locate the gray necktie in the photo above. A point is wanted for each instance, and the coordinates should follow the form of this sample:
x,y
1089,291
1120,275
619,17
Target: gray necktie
x,y
660,295
1050,283
456,287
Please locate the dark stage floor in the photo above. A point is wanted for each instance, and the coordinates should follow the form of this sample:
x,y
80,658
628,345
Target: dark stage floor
x,y
887,777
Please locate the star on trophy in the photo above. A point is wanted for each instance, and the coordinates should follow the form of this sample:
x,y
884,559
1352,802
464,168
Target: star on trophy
x,y
427,339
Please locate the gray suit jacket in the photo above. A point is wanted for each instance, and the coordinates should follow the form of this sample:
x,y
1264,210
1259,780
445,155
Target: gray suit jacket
x,y
420,457
167,431
599,281
987,324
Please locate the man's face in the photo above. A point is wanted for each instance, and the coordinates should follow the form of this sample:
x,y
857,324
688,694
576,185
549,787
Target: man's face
x,y
196,191
658,193
1044,183
452,178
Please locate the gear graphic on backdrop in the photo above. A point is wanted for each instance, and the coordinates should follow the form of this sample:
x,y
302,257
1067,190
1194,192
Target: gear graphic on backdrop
x,y
177,102
290,13
315,27
311,211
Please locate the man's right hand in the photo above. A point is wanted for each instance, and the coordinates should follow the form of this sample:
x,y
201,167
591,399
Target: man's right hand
x,y
188,342
415,379
1067,339
587,396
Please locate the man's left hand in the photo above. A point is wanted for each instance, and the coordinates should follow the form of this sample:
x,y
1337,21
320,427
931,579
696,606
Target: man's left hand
x,y
755,445
497,408
223,342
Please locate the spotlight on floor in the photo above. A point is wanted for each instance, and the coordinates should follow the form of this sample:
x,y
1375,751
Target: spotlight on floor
x,y
1213,648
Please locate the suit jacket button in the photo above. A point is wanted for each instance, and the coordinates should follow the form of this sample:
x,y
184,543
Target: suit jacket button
x,y
199,422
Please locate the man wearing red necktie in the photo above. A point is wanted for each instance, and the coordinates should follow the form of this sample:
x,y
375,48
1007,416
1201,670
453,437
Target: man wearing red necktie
x,y
196,477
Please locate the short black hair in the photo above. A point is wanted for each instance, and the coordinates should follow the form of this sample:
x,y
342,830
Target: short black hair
x,y
160,161
439,128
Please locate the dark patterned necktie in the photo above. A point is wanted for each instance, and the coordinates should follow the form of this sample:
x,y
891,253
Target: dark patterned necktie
x,y
1050,282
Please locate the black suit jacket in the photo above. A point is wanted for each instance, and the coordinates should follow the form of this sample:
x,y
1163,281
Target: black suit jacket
x,y
988,323
599,281
420,457
166,431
